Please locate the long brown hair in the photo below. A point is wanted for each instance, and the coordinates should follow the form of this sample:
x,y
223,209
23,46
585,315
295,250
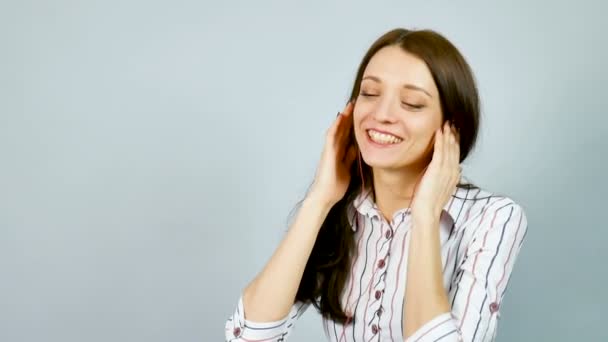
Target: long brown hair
x,y
329,264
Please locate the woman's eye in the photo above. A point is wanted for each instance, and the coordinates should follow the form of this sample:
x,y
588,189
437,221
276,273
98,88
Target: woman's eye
x,y
411,105
367,94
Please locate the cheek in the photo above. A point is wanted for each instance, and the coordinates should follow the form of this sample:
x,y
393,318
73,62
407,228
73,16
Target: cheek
x,y
357,112
426,124
361,108
358,133
357,120
427,137
423,134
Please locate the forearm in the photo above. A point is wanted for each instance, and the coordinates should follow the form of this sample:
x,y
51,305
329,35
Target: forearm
x,y
270,296
425,296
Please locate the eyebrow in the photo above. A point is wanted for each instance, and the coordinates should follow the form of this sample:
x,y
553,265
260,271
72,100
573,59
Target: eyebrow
x,y
407,85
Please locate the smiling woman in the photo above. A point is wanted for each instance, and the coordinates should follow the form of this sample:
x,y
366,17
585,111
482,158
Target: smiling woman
x,y
388,208
398,107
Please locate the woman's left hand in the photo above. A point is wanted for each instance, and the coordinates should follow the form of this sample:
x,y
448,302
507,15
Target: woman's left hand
x,y
440,177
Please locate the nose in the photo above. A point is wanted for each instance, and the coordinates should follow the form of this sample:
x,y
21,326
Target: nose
x,y
384,111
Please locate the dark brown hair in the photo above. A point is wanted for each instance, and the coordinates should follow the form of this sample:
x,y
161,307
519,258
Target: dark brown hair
x,y
329,264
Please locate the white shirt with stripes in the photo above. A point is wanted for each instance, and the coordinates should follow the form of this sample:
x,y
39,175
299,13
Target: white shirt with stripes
x,y
481,235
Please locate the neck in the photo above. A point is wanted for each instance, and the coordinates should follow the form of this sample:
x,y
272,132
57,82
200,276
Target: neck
x,y
394,189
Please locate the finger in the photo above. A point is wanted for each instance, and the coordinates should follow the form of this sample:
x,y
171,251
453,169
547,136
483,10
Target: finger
x,y
343,151
339,118
446,143
438,148
342,132
348,109
455,145
331,131
454,162
450,142
450,160
345,129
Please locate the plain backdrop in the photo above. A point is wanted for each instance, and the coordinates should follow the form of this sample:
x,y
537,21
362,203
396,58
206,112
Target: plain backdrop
x,y
151,152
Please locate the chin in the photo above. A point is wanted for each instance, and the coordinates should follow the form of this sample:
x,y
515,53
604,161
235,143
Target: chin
x,y
384,163
391,162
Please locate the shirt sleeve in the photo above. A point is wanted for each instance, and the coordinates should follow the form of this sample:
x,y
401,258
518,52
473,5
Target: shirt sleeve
x,y
479,283
240,329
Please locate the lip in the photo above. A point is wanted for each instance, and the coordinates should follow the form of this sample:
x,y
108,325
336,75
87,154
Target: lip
x,y
375,144
381,131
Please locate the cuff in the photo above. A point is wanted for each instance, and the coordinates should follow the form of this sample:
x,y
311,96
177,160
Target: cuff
x,y
237,327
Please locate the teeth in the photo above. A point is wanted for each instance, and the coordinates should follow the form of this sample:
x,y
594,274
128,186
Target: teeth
x,y
382,138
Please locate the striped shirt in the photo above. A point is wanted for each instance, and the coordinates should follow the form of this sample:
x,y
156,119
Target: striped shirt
x,y
481,235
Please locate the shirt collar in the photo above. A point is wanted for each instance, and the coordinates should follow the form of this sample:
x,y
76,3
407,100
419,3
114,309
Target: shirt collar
x,y
365,205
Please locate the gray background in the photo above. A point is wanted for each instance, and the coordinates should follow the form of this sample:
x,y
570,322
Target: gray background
x,y
152,151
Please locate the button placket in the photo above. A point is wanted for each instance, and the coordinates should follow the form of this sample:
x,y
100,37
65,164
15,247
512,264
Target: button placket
x,y
379,281
389,234
375,329
494,308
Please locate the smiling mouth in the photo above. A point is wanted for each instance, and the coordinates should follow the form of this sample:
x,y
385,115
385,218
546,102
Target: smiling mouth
x,y
383,138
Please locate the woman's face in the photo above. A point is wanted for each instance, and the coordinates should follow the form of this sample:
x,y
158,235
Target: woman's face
x,y
397,110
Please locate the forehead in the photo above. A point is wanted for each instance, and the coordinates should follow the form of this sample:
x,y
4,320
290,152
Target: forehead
x,y
396,67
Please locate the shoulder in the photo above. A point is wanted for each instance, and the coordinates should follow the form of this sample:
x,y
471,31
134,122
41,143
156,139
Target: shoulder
x,y
477,206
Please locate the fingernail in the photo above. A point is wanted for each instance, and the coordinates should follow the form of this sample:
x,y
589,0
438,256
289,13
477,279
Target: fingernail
x,y
338,114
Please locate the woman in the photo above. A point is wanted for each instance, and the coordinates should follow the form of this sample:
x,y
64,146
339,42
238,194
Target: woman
x,y
388,208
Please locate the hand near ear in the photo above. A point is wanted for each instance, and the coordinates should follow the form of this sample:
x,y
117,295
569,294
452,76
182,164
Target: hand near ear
x,y
333,172
441,175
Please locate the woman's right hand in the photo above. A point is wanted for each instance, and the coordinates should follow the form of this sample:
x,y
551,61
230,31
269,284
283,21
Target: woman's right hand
x,y
333,172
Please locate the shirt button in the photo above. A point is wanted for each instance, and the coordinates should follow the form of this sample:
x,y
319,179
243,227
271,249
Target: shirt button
x,y
378,294
381,263
237,332
388,234
374,329
380,311
493,307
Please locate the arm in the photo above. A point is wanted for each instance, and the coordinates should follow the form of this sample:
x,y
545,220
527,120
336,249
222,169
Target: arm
x,y
479,283
270,296
240,329
267,306
425,295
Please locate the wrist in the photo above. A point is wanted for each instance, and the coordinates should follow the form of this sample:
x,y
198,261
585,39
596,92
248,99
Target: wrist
x,y
425,217
426,223
316,200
